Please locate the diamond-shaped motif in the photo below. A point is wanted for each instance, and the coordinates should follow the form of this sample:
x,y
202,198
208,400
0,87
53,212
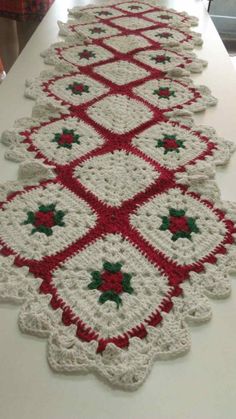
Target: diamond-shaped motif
x,y
121,72
84,55
113,187
164,93
173,37
96,30
126,43
170,145
167,17
132,23
72,284
162,59
77,89
166,35
44,140
119,113
22,233
208,233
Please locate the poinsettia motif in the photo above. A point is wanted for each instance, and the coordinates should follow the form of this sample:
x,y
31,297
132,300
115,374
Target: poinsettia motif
x,y
165,35
86,54
164,92
167,93
134,7
111,282
166,17
160,58
174,36
170,143
103,13
78,88
179,224
66,138
97,30
45,219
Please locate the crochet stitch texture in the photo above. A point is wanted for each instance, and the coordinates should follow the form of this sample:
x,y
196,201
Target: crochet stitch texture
x,y
114,235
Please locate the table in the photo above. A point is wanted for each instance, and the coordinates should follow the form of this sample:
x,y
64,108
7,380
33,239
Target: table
x,y
202,384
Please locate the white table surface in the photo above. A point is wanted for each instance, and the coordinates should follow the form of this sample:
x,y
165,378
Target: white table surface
x,y
202,384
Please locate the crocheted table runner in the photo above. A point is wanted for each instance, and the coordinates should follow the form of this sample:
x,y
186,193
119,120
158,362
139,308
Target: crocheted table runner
x,y
114,235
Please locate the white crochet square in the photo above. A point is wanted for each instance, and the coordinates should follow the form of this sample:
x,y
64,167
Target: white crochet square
x,y
165,35
132,23
44,139
179,94
104,12
85,55
131,176
79,218
167,17
187,145
119,113
160,59
149,286
61,88
121,72
127,43
97,30
148,220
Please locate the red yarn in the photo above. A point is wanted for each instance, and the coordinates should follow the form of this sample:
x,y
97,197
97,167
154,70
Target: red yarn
x,y
112,282
170,143
66,139
44,218
178,224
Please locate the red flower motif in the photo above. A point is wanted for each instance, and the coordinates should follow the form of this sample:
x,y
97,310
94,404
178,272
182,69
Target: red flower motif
x,y
135,7
66,139
166,17
78,87
179,224
86,54
97,30
165,35
160,58
44,218
164,92
170,143
111,282
104,13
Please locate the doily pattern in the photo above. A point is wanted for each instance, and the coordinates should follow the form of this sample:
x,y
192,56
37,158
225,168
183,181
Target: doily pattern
x,y
114,235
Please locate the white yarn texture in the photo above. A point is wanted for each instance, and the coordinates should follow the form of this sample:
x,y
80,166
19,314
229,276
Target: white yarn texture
x,y
114,236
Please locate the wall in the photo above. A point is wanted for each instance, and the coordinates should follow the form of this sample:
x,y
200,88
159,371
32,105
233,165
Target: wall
x,y
223,14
